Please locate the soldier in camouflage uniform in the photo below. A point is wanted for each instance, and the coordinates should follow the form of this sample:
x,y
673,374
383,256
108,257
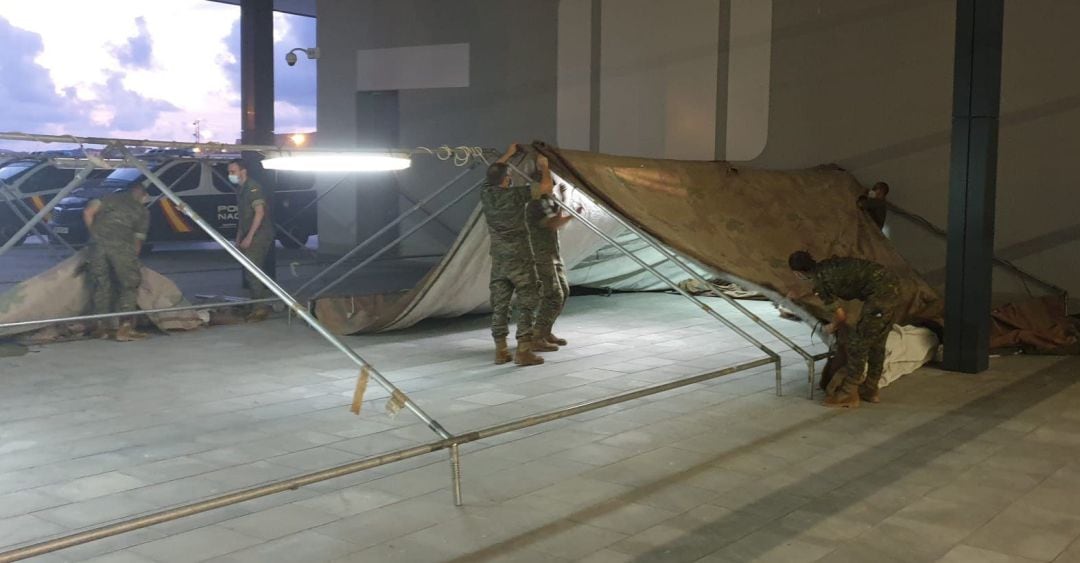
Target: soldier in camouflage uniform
x,y
255,231
118,224
545,219
879,290
512,267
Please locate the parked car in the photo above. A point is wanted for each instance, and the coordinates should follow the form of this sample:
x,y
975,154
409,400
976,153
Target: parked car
x,y
204,186
26,186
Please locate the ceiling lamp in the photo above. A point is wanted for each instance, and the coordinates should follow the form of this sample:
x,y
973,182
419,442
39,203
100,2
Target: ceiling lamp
x,y
318,161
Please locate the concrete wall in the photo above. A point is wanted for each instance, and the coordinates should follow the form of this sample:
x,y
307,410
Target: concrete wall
x,y
783,83
509,96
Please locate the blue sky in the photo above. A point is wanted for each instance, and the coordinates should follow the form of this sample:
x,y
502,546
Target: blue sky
x,y
135,68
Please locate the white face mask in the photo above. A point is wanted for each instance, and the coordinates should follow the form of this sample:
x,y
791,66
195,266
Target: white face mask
x,y
234,178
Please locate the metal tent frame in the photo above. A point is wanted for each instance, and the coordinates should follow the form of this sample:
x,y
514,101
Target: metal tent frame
x,y
445,441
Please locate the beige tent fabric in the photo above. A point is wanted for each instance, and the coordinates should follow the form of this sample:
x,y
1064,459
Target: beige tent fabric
x,y
62,291
458,285
743,222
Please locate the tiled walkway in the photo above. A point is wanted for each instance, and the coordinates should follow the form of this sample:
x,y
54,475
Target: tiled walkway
x,y
951,468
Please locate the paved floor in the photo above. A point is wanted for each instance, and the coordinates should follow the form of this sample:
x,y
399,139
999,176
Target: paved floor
x,y
951,468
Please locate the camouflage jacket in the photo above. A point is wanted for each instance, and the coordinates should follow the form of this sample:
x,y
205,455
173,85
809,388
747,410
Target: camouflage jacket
x,y
544,239
504,212
853,278
250,196
120,220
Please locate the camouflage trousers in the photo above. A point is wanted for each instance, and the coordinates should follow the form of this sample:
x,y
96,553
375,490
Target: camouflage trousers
x,y
257,254
866,347
554,289
114,275
507,278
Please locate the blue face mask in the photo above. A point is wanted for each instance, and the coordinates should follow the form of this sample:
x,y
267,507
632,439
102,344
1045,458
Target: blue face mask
x,y
234,178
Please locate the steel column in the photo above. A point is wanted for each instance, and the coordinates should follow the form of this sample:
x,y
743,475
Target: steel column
x,y
257,71
973,184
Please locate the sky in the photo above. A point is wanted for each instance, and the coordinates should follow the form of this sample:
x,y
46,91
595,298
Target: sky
x,y
139,68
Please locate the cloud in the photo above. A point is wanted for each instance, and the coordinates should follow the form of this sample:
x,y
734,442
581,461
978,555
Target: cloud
x,y
29,100
137,51
135,112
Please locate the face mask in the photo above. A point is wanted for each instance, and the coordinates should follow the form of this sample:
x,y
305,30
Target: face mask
x,y
234,178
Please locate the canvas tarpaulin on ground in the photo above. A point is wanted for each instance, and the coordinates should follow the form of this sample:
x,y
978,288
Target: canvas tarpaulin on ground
x,y
743,223
62,292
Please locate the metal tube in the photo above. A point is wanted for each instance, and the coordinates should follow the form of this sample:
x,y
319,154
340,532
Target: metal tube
x,y
383,230
701,304
78,179
677,260
43,227
315,201
394,242
284,296
455,473
101,316
293,483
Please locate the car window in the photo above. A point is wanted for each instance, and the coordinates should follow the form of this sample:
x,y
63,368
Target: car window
x,y
49,178
186,172
220,174
11,170
124,175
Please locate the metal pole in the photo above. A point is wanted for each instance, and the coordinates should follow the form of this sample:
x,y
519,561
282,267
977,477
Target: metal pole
x,y
316,200
78,179
768,351
455,473
674,258
394,242
43,227
383,230
294,483
284,296
140,312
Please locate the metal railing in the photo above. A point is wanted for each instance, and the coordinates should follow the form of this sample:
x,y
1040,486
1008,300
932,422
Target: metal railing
x,y
451,443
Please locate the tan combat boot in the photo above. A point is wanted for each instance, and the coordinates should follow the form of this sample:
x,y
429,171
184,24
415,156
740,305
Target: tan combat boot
x,y
843,399
127,333
555,340
542,344
101,330
524,356
869,395
502,351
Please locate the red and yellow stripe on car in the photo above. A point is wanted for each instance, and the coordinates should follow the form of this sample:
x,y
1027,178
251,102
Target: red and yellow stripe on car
x,y
174,217
38,203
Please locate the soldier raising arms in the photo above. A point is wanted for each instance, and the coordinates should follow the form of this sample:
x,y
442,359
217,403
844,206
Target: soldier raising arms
x,y
879,290
512,267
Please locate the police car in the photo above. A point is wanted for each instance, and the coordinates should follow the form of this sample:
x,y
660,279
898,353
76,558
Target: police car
x,y
202,183
27,183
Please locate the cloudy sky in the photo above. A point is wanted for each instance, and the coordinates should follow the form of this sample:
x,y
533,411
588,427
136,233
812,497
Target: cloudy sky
x,y
136,68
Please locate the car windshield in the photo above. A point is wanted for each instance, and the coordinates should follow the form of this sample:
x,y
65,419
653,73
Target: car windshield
x,y
124,175
13,169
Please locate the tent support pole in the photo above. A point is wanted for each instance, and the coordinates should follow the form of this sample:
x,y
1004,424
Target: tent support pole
x,y
386,248
395,393
419,205
74,183
675,286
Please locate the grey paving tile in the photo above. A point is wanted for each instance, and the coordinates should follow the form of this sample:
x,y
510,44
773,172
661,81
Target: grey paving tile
x,y
196,545
278,522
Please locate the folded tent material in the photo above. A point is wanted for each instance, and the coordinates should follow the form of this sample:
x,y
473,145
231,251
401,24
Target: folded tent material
x,y
739,222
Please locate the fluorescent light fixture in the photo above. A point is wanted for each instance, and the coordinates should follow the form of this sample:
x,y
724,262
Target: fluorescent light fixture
x,y
337,161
